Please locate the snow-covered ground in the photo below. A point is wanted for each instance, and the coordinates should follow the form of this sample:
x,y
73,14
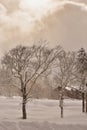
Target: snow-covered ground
x,y
42,115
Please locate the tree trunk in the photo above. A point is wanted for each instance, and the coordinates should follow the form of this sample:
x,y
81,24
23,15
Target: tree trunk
x,y
24,110
83,102
61,112
61,105
24,113
86,102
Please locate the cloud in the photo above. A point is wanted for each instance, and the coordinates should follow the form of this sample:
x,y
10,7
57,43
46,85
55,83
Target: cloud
x,y
26,21
2,9
18,23
82,6
68,26
26,15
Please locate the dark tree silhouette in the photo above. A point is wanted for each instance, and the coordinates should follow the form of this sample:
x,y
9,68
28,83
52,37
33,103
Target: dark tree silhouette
x,y
82,71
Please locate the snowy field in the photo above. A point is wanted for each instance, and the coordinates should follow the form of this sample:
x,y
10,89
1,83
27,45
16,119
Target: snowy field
x,y
42,115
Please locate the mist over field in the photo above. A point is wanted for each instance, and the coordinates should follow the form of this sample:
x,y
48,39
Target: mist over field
x,y
61,22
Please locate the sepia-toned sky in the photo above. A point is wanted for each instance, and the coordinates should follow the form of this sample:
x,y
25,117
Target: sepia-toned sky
x,y
61,22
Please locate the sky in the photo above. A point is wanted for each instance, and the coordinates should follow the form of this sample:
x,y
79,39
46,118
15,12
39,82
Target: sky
x,y
62,22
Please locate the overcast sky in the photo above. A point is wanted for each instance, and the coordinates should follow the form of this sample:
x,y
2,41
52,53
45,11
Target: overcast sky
x,y
60,22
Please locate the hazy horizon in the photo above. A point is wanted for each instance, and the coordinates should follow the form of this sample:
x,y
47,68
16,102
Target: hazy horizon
x,y
61,22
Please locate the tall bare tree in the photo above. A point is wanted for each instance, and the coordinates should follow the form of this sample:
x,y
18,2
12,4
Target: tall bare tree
x,y
82,72
64,74
27,64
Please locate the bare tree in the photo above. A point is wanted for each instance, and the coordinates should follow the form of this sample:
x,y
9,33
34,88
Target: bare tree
x,y
64,74
82,72
27,64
